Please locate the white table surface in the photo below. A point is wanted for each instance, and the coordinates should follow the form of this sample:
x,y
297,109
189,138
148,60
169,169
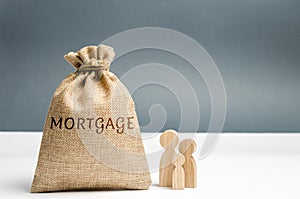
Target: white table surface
x,y
241,166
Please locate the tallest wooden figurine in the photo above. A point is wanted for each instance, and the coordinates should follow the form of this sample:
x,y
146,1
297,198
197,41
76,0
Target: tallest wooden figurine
x,y
168,140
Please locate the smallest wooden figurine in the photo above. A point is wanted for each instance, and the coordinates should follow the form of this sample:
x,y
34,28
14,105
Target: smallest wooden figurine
x,y
178,176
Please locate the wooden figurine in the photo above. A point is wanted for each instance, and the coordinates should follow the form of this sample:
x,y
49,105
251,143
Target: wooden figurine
x,y
187,148
178,176
168,140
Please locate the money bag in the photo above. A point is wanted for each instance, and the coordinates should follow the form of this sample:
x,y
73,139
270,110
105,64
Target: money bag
x,y
91,138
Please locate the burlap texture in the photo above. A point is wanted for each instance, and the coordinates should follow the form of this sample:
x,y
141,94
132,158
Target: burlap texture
x,y
76,153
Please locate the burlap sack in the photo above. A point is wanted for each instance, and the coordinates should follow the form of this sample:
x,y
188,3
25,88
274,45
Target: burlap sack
x,y
91,138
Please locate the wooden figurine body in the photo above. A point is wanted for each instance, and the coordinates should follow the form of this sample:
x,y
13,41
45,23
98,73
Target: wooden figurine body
x,y
178,176
187,148
168,140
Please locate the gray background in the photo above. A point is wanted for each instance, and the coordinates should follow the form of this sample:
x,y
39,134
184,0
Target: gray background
x,y
256,45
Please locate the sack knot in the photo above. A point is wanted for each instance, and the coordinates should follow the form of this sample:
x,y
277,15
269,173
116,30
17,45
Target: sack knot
x,y
91,58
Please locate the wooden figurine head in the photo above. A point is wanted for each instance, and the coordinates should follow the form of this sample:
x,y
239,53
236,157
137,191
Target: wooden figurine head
x,y
169,139
179,160
187,146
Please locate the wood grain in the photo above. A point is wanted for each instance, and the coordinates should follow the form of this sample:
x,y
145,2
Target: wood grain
x,y
187,148
168,140
178,176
